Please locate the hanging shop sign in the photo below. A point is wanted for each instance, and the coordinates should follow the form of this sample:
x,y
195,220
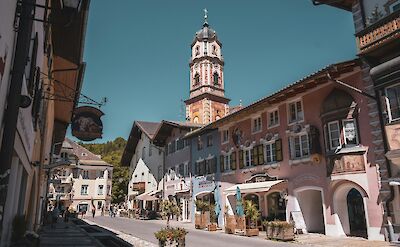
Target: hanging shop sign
x,y
86,123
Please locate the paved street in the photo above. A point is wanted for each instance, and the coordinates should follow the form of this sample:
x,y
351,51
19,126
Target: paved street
x,y
195,238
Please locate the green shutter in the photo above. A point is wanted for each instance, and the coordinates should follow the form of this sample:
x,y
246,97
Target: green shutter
x,y
278,150
254,156
233,160
221,163
260,154
241,161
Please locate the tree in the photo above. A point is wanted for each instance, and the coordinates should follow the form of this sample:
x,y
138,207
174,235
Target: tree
x,y
170,208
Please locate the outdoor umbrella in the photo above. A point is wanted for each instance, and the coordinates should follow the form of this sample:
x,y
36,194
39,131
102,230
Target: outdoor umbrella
x,y
216,199
239,203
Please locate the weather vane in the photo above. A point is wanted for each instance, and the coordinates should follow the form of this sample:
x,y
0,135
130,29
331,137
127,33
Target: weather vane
x,y
205,15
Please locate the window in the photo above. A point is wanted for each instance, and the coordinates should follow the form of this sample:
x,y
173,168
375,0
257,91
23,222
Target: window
x,y
350,132
205,48
225,136
200,167
210,166
225,162
85,174
299,146
393,96
171,147
273,118
270,152
196,79
334,134
180,144
209,141
108,190
186,170
233,161
258,155
340,133
100,190
84,189
199,143
216,78
197,50
257,124
214,50
295,112
99,204
75,173
101,174
248,157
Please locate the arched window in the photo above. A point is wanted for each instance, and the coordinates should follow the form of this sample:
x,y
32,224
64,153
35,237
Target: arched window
x,y
196,120
216,78
214,50
196,79
197,51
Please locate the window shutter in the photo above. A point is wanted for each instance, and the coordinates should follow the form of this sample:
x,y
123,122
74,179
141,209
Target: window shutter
x,y
278,150
233,161
260,154
313,138
241,161
254,155
203,167
221,163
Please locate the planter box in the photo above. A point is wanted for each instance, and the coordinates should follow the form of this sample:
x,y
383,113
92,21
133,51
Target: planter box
x,y
270,232
230,224
197,221
180,243
252,232
241,223
201,220
283,234
212,227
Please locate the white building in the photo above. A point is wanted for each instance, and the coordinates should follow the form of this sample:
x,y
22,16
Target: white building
x,y
84,183
145,161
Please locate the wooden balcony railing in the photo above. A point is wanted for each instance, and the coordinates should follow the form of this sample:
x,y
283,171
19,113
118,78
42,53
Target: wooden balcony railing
x,y
382,31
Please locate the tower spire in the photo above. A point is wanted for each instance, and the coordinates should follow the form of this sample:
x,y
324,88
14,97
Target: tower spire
x,y
205,17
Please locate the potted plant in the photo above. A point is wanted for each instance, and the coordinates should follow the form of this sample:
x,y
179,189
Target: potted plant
x,y
212,226
169,208
280,230
202,215
252,215
170,236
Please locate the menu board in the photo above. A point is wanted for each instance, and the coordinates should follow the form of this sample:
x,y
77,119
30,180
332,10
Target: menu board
x,y
298,219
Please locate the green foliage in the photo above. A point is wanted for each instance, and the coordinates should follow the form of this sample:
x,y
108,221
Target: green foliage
x,y
170,234
251,211
202,206
111,152
168,208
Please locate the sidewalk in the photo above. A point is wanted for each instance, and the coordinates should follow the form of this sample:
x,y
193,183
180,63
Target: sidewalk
x,y
65,235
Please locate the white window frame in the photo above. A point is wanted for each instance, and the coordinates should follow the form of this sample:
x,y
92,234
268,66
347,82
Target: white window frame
x,y
84,192
257,119
247,152
223,132
355,131
389,110
297,120
272,152
273,111
85,174
293,148
331,147
227,162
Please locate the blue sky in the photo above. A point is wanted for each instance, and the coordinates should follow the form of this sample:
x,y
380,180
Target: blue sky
x,y
137,51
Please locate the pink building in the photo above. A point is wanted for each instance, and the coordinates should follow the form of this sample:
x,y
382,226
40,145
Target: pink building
x,y
306,149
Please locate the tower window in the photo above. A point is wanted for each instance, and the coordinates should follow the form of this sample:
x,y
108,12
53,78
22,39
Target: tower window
x,y
196,79
214,50
197,51
216,78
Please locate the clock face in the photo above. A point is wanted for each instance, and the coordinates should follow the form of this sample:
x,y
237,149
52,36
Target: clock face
x,y
215,65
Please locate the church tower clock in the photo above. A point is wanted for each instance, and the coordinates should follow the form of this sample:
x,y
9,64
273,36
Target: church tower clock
x,y
207,101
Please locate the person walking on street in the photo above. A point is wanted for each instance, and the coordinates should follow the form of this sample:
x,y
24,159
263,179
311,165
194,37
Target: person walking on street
x,y
102,210
93,211
111,210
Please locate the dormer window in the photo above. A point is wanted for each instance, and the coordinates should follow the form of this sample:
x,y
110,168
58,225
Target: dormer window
x,y
216,79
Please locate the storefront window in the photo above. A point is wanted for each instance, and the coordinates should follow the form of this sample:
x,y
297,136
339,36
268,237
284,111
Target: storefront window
x,y
276,207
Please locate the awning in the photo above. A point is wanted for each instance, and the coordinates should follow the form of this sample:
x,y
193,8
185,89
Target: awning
x,y
148,196
252,187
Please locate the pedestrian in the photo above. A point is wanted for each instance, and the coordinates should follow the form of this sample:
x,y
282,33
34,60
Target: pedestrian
x,y
93,211
102,210
111,210
66,215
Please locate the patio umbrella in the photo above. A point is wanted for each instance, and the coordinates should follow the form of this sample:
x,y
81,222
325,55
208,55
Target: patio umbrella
x,y
216,199
239,203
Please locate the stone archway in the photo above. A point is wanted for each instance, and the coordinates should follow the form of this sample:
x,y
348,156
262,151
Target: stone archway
x,y
311,205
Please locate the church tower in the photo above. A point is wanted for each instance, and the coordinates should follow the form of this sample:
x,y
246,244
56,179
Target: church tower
x,y
207,101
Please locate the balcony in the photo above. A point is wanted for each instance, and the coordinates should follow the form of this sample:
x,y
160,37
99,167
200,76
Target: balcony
x,y
384,32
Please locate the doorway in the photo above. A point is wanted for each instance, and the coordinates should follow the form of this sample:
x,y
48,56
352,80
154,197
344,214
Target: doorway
x,y
356,212
311,206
